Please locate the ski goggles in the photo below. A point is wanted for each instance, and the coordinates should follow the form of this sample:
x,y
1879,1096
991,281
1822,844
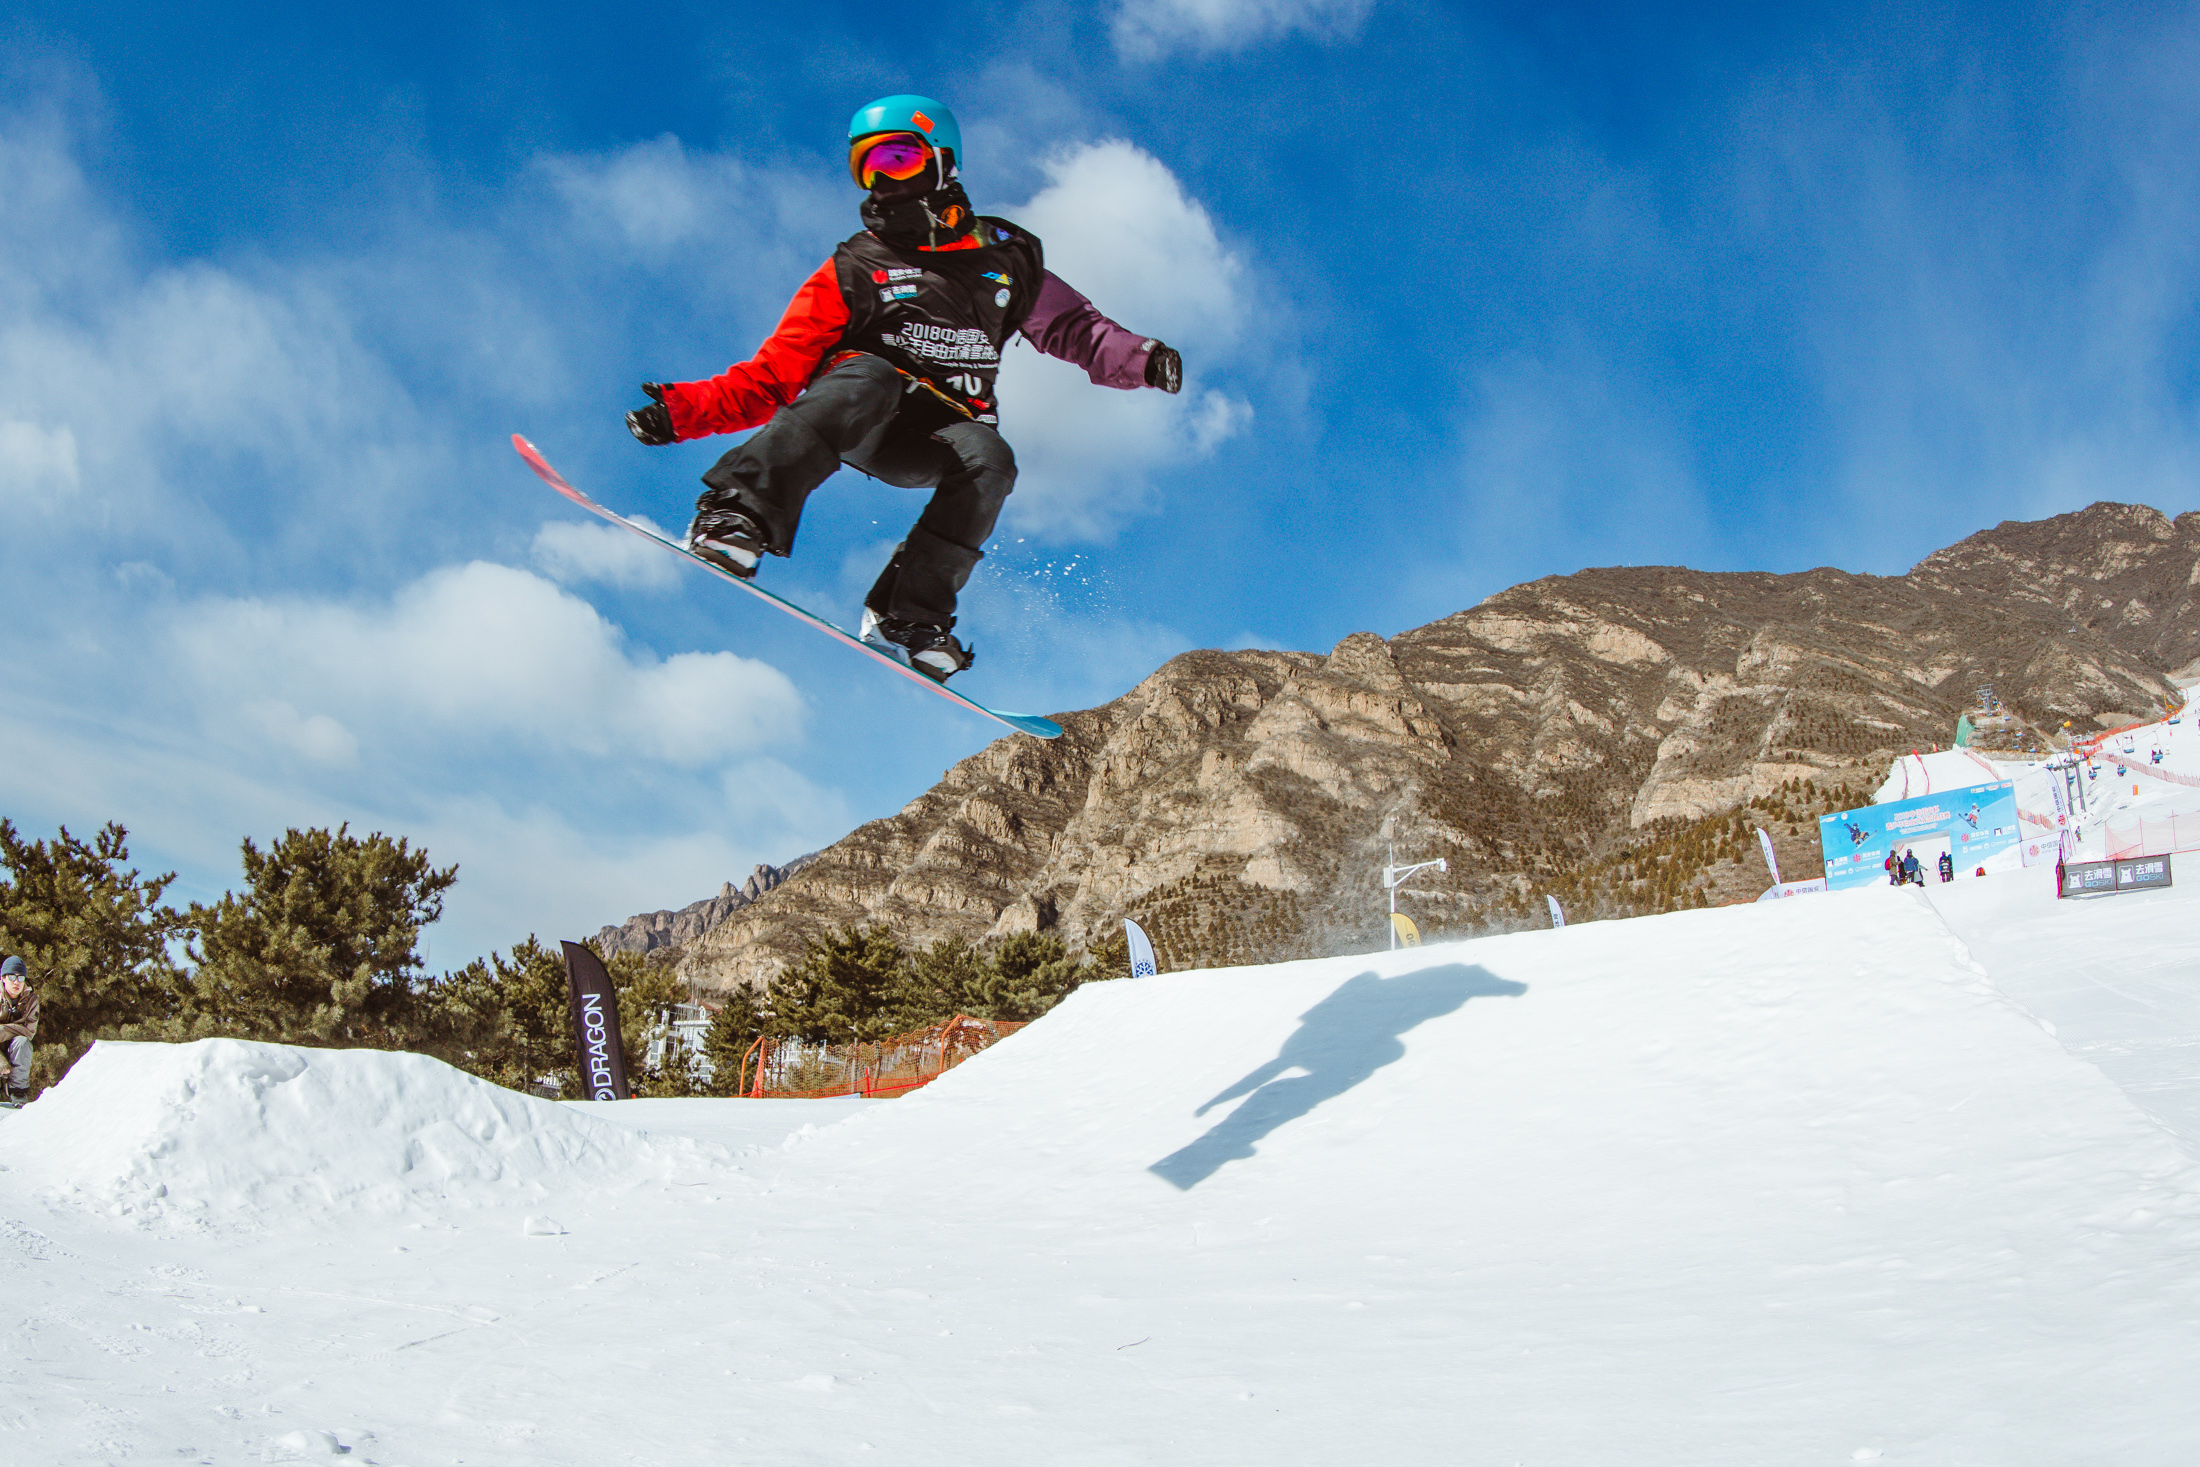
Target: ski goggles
x,y
899,156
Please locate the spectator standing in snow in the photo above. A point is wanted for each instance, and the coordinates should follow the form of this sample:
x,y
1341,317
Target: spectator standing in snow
x,y
18,1026
1894,869
1947,866
1911,870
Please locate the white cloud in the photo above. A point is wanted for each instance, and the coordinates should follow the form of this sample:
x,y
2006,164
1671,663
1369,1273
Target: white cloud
x,y
661,204
476,654
544,863
316,737
573,551
1146,29
1118,226
144,406
36,463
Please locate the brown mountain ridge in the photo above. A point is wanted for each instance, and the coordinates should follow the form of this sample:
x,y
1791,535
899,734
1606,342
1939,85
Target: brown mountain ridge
x,y
1608,736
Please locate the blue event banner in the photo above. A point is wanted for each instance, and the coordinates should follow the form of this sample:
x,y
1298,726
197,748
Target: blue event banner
x,y
1969,825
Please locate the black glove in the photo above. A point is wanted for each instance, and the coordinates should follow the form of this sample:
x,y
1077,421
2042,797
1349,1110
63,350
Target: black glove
x,y
653,424
1164,368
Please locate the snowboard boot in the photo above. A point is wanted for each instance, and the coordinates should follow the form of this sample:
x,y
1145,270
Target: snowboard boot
x,y
931,650
18,1096
725,535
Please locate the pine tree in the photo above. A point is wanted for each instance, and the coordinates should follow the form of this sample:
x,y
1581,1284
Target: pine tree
x,y
948,978
505,1019
845,987
93,934
323,945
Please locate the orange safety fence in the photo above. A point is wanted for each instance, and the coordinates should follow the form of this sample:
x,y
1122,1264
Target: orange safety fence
x,y
2155,835
2155,771
790,1069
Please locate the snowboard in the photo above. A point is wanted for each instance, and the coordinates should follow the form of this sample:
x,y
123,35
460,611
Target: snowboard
x,y
1024,723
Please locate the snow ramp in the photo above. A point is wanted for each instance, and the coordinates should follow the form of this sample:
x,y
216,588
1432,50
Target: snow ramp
x,y
224,1133
1779,1183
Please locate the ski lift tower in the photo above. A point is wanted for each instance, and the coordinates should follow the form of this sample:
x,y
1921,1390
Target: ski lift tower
x,y
1395,875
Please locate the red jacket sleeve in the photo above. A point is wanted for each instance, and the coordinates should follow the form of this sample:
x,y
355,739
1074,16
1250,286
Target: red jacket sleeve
x,y
747,393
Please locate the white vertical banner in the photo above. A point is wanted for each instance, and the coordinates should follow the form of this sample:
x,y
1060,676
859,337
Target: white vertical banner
x,y
1142,960
1558,913
1772,862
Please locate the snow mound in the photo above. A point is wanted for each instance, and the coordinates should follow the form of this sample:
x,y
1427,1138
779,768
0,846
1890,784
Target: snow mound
x,y
224,1132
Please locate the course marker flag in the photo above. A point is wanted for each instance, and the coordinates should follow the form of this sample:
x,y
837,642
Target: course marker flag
x,y
595,1025
1142,959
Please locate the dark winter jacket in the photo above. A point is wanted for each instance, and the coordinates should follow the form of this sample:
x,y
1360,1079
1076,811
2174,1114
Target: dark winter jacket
x,y
1053,317
19,1015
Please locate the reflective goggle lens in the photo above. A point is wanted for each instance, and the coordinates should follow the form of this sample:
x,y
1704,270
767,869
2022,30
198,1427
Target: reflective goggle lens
x,y
900,157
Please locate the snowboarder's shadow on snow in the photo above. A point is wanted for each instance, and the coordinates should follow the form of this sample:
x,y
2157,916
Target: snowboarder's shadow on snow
x,y
1340,1041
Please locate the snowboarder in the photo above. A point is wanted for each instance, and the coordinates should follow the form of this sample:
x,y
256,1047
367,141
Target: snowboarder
x,y
886,360
18,1027
1911,870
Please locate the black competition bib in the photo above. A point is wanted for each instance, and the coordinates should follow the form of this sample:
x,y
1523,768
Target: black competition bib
x,y
941,315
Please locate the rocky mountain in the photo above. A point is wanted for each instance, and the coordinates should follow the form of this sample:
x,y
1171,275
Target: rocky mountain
x,y
1609,736
653,931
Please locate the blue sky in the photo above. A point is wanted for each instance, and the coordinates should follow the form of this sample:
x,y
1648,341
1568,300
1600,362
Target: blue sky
x,y
1467,295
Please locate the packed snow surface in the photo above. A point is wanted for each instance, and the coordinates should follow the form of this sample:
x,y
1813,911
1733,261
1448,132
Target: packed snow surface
x,y
1887,1175
228,1134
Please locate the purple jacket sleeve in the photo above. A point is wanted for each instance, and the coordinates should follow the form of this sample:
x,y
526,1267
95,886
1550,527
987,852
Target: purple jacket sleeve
x,y
1064,324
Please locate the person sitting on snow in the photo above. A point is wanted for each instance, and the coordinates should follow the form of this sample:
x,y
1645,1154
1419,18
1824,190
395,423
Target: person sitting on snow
x,y
886,360
18,1026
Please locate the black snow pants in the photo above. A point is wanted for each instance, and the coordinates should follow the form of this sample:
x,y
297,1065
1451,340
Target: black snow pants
x,y
863,413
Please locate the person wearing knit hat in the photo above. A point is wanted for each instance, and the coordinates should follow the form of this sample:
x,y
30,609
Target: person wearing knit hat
x,y
18,1026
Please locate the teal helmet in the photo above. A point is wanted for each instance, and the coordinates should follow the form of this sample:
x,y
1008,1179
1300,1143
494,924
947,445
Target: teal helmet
x,y
905,113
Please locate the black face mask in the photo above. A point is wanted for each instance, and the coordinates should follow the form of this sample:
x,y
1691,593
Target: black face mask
x,y
921,220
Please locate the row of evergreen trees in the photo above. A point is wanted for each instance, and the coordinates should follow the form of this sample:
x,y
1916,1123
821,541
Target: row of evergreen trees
x,y
860,984
322,947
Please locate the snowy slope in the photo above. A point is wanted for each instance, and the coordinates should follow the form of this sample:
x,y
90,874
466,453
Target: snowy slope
x,y
1781,1183
221,1133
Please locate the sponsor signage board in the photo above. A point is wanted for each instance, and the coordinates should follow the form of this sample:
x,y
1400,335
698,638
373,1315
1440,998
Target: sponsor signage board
x,y
2139,873
1969,824
2106,878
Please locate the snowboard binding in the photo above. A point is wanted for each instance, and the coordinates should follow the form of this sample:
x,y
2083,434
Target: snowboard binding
x,y
728,538
931,650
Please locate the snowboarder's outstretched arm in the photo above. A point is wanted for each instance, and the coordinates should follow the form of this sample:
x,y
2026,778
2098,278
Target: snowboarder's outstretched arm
x,y
747,393
1064,324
